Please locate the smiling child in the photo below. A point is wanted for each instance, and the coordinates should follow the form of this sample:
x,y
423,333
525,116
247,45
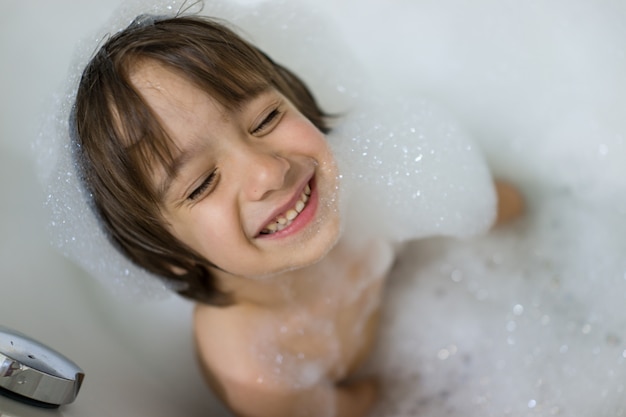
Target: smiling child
x,y
208,164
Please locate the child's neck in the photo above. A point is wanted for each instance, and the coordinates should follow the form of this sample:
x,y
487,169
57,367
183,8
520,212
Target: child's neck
x,y
285,290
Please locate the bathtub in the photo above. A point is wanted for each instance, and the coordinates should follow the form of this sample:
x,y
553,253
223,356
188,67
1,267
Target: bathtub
x,y
138,356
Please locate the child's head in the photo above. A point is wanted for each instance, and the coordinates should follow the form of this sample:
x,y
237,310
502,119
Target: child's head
x,y
167,115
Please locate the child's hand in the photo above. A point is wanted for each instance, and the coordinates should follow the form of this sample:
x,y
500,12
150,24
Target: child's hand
x,y
510,203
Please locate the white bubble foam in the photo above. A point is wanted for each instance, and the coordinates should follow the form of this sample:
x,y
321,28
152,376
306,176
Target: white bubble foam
x,y
411,171
539,87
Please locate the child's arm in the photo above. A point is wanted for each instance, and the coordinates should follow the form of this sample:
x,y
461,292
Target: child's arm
x,y
249,399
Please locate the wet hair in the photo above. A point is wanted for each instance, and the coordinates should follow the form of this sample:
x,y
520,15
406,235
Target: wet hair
x,y
119,142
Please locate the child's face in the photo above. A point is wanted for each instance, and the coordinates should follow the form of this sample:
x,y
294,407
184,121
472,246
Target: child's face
x,y
240,171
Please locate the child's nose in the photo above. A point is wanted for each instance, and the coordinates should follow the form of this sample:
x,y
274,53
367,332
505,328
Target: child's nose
x,y
264,172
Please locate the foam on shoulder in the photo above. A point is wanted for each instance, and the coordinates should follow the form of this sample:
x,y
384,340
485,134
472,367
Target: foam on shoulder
x,y
411,171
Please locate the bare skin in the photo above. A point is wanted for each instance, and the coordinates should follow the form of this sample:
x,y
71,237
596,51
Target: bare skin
x,y
249,343
294,357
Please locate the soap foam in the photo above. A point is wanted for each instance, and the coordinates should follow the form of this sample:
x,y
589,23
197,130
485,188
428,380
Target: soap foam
x,y
527,320
518,322
411,171
74,228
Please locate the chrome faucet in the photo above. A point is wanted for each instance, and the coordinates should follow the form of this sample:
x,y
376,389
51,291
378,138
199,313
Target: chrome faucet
x,y
35,374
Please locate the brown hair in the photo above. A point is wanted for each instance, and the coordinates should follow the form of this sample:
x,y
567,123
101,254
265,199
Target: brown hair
x,y
118,139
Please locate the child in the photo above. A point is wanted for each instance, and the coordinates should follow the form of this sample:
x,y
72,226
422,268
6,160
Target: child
x,y
208,165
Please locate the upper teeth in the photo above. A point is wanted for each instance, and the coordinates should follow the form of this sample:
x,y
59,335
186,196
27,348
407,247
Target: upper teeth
x,y
285,219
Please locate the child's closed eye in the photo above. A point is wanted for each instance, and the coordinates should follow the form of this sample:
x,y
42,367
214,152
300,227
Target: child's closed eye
x,y
205,187
271,119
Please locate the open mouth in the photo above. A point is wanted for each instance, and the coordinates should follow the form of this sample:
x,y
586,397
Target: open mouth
x,y
283,220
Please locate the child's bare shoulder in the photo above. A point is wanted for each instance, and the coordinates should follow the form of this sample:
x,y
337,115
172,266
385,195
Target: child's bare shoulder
x,y
223,338
233,343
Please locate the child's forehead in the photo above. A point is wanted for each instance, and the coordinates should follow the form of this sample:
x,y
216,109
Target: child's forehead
x,y
157,82
165,90
151,78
